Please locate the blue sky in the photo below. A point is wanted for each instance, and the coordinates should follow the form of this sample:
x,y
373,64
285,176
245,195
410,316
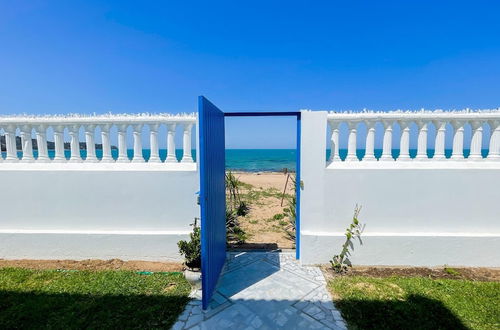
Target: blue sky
x,y
136,56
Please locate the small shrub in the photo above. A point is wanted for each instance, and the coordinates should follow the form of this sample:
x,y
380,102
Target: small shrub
x,y
242,209
191,250
234,232
254,222
289,211
340,262
278,216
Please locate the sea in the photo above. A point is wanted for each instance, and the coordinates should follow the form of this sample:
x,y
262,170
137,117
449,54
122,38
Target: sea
x,y
257,160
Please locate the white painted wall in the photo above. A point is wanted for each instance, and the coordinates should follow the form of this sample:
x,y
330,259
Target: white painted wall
x,y
416,213
79,211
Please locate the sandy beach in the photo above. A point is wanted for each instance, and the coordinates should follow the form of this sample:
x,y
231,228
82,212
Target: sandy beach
x,y
265,224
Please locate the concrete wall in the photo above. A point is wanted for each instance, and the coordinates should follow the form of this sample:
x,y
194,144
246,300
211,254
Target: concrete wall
x,y
416,213
79,211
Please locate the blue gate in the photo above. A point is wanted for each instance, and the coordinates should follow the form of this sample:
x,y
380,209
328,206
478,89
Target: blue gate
x,y
212,195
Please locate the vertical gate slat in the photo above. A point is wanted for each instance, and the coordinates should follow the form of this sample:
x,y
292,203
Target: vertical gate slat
x,y
212,195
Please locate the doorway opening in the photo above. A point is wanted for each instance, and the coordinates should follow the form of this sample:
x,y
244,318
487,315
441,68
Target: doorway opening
x,y
261,180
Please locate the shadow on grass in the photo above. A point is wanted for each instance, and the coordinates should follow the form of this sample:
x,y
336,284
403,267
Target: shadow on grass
x,y
74,311
415,312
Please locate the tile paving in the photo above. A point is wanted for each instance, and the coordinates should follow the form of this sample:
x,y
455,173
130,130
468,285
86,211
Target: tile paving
x,y
264,290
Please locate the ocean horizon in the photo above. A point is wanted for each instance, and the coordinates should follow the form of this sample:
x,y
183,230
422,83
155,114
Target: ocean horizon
x,y
255,160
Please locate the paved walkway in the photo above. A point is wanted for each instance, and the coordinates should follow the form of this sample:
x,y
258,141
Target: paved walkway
x,y
265,290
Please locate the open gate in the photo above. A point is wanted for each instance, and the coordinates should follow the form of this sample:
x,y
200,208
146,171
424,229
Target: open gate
x,y
213,190
212,195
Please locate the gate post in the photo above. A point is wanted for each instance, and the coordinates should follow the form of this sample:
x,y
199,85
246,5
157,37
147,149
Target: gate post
x,y
312,172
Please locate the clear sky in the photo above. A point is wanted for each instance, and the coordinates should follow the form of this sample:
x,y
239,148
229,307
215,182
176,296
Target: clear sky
x,y
158,56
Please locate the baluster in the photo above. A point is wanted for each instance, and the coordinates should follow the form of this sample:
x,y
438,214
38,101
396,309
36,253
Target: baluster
x,y
370,141
138,157
153,143
59,144
404,147
41,142
440,140
171,158
458,140
494,148
477,140
10,144
106,144
122,144
90,143
27,144
334,141
351,142
74,132
387,142
1,153
186,144
422,140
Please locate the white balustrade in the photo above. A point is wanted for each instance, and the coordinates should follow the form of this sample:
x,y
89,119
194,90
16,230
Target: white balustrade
x,y
458,140
334,141
352,143
494,149
39,152
370,142
186,143
406,119
404,147
439,146
387,142
74,144
27,144
171,158
422,140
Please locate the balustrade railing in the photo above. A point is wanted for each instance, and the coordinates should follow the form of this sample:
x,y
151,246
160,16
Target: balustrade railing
x,y
417,123
83,132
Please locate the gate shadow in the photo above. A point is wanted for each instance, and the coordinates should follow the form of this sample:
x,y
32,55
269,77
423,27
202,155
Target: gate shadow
x,y
244,269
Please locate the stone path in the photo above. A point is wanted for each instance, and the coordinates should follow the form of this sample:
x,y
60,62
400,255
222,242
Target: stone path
x,y
265,290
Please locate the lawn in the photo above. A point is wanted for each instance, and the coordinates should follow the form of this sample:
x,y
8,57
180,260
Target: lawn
x,y
416,303
90,299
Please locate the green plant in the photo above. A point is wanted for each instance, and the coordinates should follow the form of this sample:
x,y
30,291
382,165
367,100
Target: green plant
x,y
191,250
234,232
278,216
340,262
233,193
289,211
242,209
451,271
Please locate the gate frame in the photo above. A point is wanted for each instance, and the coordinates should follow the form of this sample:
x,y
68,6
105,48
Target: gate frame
x,y
298,181
208,290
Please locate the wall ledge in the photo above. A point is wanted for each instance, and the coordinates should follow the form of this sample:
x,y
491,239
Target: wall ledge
x,y
122,167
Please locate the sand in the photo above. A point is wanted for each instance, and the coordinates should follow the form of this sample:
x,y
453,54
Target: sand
x,y
263,230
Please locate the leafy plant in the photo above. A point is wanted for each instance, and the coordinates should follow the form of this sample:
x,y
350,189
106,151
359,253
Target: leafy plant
x,y
340,262
233,194
242,209
290,211
234,232
191,250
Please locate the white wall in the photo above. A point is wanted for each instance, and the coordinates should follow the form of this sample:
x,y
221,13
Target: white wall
x,y
416,213
78,211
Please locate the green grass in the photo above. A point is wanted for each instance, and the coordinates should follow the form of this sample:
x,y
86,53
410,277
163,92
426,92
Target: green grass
x,y
90,299
416,303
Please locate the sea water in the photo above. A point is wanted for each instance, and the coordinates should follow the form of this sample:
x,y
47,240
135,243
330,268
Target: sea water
x,y
254,160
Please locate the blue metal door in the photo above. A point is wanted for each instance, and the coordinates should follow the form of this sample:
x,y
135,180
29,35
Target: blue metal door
x,y
212,195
